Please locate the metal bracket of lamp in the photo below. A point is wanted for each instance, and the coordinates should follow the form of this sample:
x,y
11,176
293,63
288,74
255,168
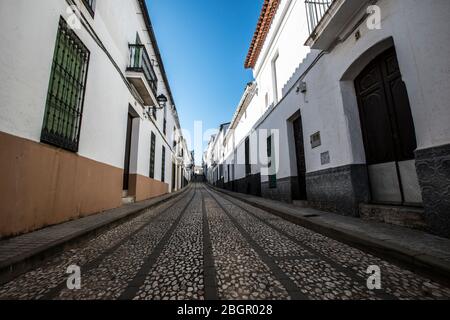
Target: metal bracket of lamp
x,y
154,62
162,101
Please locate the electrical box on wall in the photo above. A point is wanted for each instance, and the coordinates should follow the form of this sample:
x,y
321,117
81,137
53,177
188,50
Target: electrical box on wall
x,y
302,87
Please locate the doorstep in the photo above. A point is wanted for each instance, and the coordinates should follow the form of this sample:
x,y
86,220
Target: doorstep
x,y
417,250
22,253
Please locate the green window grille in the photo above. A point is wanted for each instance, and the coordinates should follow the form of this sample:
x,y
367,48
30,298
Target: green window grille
x,y
163,165
272,177
152,156
65,98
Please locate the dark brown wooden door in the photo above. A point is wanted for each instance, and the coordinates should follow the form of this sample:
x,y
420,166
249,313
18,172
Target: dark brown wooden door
x,y
126,170
386,122
248,167
386,119
300,192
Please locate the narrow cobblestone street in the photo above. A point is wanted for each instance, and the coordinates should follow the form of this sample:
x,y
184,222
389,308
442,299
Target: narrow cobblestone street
x,y
206,245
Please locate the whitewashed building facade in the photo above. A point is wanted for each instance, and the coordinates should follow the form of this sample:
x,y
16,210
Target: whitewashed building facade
x,y
358,92
87,115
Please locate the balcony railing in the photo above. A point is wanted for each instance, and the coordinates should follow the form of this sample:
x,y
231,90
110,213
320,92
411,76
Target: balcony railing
x,y
315,10
140,62
90,5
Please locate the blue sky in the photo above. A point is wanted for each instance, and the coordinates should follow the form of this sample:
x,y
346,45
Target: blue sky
x,y
204,44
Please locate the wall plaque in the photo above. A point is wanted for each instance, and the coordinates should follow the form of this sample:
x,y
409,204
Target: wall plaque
x,y
325,158
316,140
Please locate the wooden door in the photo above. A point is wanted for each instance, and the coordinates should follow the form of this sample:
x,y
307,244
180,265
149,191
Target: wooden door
x,y
388,131
126,170
300,193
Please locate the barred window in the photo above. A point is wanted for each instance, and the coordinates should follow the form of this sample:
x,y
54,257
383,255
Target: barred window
x,y
152,156
65,98
90,5
163,165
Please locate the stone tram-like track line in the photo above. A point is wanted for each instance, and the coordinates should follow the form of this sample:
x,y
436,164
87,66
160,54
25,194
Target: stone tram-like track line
x,y
54,292
139,279
345,270
290,286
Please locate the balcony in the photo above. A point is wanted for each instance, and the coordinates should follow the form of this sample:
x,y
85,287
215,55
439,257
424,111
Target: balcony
x,y
90,6
315,10
141,74
327,19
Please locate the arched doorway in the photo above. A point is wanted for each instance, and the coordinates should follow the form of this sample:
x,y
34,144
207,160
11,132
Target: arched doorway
x,y
388,131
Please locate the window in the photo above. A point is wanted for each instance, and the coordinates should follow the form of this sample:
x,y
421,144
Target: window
x,y
248,167
90,5
271,164
65,97
276,90
165,121
163,165
152,156
174,137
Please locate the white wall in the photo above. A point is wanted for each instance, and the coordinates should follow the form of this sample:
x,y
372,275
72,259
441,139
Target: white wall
x,y
417,28
285,41
420,32
29,36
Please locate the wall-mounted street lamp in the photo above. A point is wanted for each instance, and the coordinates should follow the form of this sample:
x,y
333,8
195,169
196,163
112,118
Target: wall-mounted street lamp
x,y
162,101
302,87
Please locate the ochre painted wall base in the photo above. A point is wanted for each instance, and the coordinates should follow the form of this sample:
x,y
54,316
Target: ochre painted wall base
x,y
41,186
144,188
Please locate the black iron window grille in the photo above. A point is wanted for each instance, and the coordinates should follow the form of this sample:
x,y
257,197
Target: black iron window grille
x,y
315,10
65,98
163,165
90,5
140,62
152,156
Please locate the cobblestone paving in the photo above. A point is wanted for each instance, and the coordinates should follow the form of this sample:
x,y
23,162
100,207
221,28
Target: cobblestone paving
x,y
206,245
178,273
338,271
40,282
111,277
240,272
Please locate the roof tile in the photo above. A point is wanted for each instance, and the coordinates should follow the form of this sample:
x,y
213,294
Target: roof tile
x,y
268,12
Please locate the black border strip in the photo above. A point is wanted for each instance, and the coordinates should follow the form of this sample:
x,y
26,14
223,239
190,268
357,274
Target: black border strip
x,y
290,286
